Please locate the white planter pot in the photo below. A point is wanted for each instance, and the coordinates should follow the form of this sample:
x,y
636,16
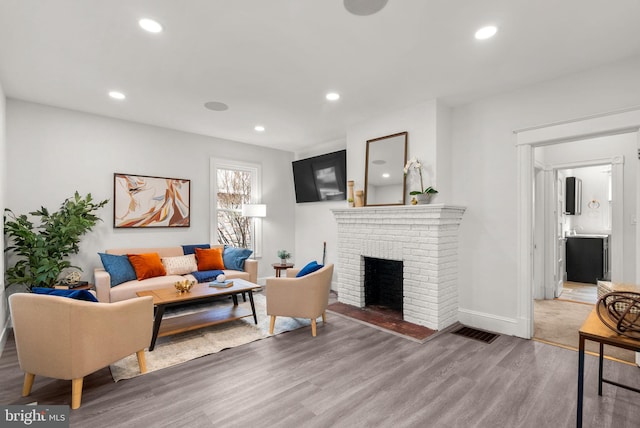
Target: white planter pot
x,y
424,198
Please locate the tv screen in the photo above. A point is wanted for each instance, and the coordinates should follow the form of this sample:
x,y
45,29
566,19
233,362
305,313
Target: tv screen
x,y
321,178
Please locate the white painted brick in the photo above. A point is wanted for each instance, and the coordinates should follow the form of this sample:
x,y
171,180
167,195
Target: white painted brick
x,y
424,237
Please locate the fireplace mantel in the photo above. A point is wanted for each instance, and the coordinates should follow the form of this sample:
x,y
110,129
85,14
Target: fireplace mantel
x,y
388,214
423,237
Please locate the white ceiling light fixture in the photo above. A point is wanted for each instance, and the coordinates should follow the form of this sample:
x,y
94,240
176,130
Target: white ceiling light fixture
x,y
116,95
486,32
259,128
216,106
333,96
150,25
364,7
386,175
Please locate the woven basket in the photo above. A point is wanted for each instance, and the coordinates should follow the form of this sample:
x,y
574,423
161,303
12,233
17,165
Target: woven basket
x,y
620,311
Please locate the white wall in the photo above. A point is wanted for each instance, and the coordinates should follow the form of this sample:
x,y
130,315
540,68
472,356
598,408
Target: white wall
x,y
444,173
315,223
52,152
4,313
484,168
421,124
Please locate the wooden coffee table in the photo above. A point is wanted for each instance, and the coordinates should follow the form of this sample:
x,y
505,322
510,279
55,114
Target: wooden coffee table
x,y
200,293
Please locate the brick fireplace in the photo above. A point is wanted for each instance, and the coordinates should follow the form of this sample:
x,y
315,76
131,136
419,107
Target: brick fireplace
x,y
423,237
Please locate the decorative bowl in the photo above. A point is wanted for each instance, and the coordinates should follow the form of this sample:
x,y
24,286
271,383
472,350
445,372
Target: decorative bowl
x,y
620,311
184,286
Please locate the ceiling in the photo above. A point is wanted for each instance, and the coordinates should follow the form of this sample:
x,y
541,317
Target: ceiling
x,y
273,61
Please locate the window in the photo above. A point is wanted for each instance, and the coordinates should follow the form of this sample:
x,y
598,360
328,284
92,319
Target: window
x,y
235,183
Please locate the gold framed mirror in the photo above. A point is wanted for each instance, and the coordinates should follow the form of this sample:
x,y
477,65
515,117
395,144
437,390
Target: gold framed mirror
x,y
384,179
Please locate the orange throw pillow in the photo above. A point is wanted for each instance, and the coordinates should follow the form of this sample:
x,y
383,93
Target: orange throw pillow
x,y
209,259
147,265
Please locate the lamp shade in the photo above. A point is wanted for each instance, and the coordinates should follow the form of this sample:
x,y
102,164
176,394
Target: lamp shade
x,y
254,210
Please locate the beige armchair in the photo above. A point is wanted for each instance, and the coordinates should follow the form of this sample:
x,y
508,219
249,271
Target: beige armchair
x,y
304,297
63,338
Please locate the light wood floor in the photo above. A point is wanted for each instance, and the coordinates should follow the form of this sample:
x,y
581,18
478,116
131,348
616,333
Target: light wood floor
x,y
579,292
350,375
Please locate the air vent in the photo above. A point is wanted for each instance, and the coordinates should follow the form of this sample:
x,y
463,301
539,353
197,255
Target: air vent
x,y
473,333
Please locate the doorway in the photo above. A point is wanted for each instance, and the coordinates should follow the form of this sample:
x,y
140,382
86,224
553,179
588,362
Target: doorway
x,y
578,216
552,135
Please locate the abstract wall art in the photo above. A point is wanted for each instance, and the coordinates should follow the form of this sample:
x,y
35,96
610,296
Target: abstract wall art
x,y
144,201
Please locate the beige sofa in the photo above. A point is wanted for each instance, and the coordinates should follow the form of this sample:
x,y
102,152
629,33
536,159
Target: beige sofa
x,y
127,290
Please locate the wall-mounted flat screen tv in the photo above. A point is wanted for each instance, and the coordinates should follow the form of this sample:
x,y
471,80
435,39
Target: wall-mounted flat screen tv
x,y
321,178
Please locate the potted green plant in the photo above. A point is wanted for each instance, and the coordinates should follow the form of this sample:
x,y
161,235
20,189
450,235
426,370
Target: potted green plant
x,y
284,255
422,196
42,250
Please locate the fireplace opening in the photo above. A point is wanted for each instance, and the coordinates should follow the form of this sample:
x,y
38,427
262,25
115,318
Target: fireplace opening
x,y
383,285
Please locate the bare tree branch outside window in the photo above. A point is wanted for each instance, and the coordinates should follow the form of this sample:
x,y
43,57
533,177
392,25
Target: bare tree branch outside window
x,y
234,189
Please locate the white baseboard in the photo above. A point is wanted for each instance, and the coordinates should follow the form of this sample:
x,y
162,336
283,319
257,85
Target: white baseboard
x,y
489,322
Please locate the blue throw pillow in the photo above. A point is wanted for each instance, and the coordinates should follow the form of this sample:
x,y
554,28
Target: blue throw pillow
x,y
309,268
118,267
72,294
191,249
206,275
234,257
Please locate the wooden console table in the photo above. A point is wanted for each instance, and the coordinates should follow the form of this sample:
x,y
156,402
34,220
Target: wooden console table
x,y
593,329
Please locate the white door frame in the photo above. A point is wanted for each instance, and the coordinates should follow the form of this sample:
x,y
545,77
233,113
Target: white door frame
x,y
619,122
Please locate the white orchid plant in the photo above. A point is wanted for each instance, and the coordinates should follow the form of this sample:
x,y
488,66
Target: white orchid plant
x,y
415,164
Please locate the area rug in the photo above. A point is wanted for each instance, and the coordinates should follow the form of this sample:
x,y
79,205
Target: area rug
x,y
557,323
179,348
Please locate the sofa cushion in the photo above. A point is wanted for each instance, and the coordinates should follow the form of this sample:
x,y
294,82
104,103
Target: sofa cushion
x,y
119,268
180,265
309,268
191,249
209,259
147,265
234,257
72,294
206,275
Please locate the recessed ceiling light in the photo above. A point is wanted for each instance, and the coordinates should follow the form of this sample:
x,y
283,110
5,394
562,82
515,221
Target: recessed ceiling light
x,y
333,96
117,95
386,175
259,128
216,106
150,25
486,32
364,7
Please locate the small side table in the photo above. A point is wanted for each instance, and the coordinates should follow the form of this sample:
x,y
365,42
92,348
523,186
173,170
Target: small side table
x,y
595,330
279,267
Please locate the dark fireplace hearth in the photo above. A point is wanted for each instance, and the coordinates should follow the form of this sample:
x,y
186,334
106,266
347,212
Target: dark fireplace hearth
x,y
383,284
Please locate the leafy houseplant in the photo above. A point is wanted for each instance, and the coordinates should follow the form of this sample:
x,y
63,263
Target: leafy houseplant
x,y
43,249
422,195
284,255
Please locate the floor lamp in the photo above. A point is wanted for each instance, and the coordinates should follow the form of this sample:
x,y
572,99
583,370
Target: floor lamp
x,y
254,211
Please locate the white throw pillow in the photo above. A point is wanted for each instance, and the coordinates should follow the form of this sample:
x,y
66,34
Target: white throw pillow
x,y
180,265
